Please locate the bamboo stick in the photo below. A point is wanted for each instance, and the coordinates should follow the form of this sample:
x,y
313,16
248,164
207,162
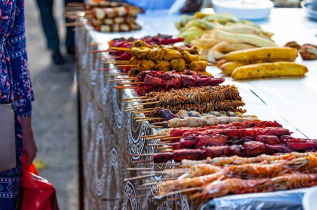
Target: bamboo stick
x,y
138,155
139,169
160,123
179,191
154,137
152,118
121,48
148,103
127,78
120,79
157,126
165,147
127,87
134,98
130,83
129,65
138,177
142,112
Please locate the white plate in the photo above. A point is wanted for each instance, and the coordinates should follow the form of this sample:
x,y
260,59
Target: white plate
x,y
244,9
310,199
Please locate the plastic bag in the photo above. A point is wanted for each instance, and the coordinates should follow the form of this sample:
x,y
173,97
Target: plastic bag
x,y
36,192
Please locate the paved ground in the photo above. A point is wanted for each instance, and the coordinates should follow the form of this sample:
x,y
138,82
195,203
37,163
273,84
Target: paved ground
x,y
54,111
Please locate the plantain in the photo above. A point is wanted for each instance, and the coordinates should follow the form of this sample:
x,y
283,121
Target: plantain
x,y
229,67
264,53
269,70
245,38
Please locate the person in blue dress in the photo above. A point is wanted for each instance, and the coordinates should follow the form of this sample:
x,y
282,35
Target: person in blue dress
x,y
15,86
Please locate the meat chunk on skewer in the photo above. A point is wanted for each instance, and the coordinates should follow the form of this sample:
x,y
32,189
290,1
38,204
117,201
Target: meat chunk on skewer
x,y
192,154
254,148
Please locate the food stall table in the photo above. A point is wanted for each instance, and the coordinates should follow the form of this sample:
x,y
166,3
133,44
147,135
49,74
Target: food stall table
x,y
109,134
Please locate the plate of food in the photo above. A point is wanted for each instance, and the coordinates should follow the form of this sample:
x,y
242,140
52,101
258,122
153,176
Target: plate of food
x,y
244,9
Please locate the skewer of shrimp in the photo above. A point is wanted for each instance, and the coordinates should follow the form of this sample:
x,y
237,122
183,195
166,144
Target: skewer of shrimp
x,y
224,187
171,185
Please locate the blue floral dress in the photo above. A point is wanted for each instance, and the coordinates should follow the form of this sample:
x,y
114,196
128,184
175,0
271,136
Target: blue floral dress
x,y
15,85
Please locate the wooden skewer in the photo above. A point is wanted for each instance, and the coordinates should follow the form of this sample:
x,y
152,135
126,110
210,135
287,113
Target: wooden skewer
x,y
126,78
131,83
138,155
121,48
128,65
148,182
119,74
160,123
164,142
120,79
138,109
162,139
157,126
166,151
141,97
173,137
138,100
142,120
159,164
148,103
131,110
139,169
166,147
160,144
153,172
149,118
154,137
141,112
134,109
138,177
170,171
178,191
127,87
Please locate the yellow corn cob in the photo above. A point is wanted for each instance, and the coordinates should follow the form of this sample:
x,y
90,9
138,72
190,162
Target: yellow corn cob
x,y
264,53
269,70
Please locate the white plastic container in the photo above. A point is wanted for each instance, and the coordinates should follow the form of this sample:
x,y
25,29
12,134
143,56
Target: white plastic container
x,y
244,9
